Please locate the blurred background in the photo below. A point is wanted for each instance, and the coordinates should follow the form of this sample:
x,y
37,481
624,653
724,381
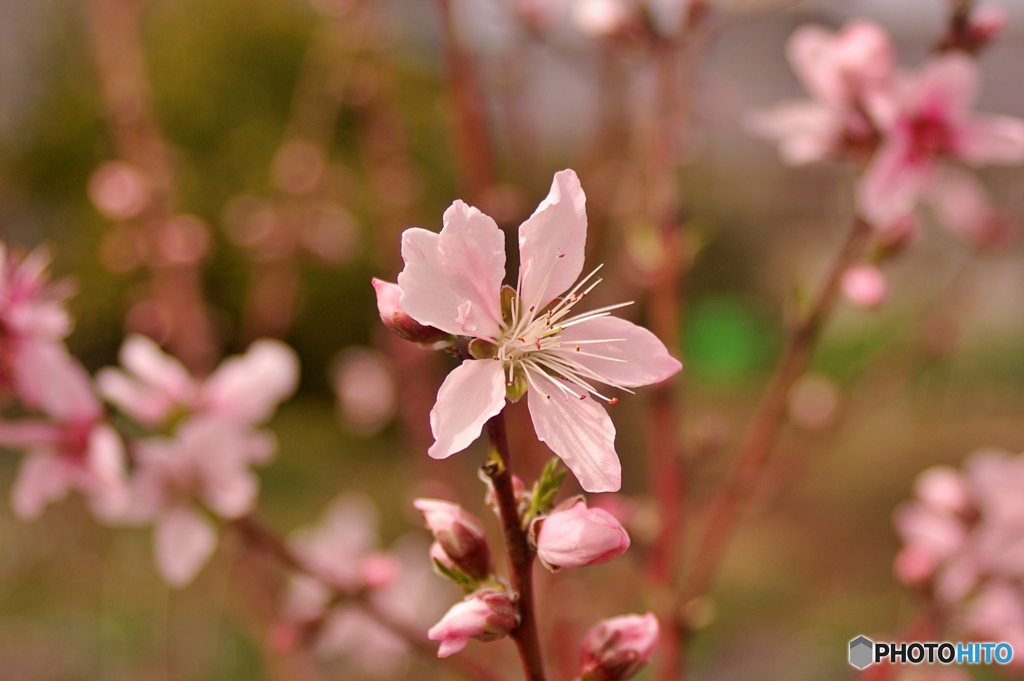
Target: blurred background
x,y
212,171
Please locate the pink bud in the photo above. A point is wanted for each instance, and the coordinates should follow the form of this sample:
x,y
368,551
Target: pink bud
x,y
616,649
485,615
389,305
437,555
460,535
579,536
943,488
865,286
987,23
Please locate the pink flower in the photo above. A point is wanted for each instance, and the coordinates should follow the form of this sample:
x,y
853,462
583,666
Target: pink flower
x,y
577,536
342,547
204,468
485,615
964,540
616,649
411,596
460,535
929,123
244,389
865,286
847,74
528,337
74,449
33,321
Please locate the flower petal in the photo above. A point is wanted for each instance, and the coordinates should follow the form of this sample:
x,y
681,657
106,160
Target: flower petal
x,y
50,379
42,478
183,540
473,247
962,205
106,471
552,242
891,186
806,131
947,88
635,357
247,388
991,139
811,51
452,280
578,431
154,367
469,396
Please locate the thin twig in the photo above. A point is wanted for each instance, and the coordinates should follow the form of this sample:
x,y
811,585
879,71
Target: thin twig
x,y
520,556
768,420
260,537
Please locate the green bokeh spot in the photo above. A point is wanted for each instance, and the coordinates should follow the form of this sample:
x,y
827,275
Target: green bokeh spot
x,y
726,341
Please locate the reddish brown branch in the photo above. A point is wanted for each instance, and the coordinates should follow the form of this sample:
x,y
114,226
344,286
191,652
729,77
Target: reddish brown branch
x,y
767,421
520,556
468,116
262,538
175,285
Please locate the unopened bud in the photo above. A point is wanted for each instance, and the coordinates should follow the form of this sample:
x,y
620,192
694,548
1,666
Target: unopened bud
x,y
460,535
485,615
865,286
618,648
389,298
577,536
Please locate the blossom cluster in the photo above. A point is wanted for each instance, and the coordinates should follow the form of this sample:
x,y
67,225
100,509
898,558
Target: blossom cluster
x,y
913,133
199,439
963,546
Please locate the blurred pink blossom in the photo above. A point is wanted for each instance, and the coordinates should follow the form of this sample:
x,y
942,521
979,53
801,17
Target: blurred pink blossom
x,y
527,339
847,74
343,550
485,615
204,469
865,286
617,649
928,123
33,322
575,536
964,543
245,389
338,548
74,448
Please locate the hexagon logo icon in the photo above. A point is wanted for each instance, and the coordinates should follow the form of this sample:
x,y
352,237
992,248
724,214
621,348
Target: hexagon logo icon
x,y
861,649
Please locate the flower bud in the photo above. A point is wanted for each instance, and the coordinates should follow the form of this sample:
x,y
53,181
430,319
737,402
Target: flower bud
x,y
389,306
485,615
616,649
865,286
460,534
577,536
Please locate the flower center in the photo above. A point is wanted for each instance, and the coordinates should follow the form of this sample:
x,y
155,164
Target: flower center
x,y
532,344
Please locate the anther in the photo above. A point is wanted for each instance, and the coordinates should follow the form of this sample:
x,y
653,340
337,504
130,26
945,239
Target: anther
x,y
613,401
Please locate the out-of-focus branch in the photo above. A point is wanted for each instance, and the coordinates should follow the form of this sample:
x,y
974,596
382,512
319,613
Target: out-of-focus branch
x,y
468,116
260,537
767,421
520,557
175,282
